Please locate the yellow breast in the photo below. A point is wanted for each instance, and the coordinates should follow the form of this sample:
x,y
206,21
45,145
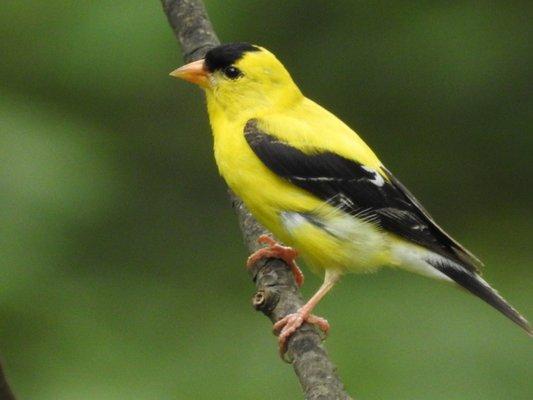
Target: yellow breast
x,y
263,192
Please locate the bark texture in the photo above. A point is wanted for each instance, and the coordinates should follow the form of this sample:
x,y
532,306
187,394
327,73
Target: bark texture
x,y
277,293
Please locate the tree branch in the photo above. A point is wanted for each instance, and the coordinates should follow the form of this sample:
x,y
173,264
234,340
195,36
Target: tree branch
x,y
5,390
277,293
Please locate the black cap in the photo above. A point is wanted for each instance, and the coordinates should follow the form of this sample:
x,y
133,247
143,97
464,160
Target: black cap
x,y
226,54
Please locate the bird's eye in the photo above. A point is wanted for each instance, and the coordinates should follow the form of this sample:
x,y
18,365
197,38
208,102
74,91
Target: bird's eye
x,y
232,72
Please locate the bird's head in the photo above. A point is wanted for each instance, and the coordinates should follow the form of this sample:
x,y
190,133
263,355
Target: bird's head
x,y
241,76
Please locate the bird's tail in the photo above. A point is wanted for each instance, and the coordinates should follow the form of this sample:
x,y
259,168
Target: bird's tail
x,y
476,285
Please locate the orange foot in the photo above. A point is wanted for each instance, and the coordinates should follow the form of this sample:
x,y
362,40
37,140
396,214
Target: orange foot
x,y
275,250
286,326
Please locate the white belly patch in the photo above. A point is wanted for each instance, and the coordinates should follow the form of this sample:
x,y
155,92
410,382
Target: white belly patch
x,y
357,242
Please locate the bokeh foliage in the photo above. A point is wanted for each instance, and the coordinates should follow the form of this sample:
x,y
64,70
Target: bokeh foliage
x,y
122,266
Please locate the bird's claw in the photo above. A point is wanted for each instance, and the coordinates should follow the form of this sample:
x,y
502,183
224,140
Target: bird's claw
x,y
286,327
275,250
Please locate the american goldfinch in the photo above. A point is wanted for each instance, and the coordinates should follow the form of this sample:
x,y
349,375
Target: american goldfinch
x,y
313,182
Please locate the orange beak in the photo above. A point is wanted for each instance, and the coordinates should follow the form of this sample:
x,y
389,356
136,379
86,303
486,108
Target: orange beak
x,y
193,72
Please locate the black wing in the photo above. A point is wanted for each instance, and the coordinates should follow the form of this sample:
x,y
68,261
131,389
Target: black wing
x,y
357,189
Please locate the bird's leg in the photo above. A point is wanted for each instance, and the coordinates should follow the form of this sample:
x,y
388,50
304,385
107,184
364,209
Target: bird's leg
x,y
275,250
286,326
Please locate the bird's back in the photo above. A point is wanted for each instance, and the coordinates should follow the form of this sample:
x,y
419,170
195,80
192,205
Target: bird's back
x,y
312,127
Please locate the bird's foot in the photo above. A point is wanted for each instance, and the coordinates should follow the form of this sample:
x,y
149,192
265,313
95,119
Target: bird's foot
x,y
286,327
275,250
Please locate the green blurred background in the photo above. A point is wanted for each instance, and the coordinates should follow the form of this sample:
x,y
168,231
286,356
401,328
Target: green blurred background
x,y
122,272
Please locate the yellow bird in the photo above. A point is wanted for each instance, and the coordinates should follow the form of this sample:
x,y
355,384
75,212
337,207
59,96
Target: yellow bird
x,y
313,182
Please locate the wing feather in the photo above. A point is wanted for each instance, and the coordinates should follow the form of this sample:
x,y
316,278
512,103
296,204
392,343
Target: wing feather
x,y
354,187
